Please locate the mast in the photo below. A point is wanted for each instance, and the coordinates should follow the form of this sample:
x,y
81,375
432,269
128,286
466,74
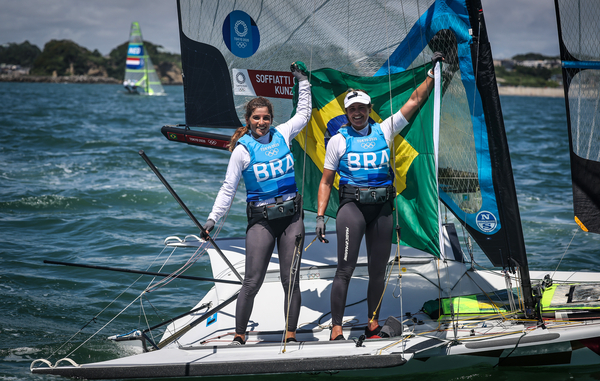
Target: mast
x,y
513,253
146,82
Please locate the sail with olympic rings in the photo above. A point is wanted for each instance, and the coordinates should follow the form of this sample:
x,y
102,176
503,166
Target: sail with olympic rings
x,y
233,51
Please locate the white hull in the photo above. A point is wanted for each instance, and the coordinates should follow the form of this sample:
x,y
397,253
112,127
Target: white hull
x,y
201,346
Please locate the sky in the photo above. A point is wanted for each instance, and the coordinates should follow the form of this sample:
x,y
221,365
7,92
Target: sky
x,y
514,26
93,24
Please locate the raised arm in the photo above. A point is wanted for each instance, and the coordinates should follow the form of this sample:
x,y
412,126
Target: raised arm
x,y
420,95
293,126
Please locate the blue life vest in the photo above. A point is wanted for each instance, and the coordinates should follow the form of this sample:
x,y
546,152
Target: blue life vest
x,y
271,170
367,158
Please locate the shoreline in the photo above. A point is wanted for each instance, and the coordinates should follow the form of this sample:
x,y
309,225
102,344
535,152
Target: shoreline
x,y
557,92
58,79
66,79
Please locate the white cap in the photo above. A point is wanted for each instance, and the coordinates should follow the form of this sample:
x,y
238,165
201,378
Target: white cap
x,y
356,97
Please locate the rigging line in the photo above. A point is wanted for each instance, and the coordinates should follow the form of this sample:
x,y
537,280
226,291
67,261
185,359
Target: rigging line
x,y
501,359
177,273
509,293
439,285
454,314
104,326
392,137
521,295
173,319
92,320
387,281
143,310
419,115
149,329
104,309
308,122
306,127
520,288
149,287
400,294
291,284
189,213
565,253
486,294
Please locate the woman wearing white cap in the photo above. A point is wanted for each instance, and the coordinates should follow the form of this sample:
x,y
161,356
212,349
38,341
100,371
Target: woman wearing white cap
x,y
360,153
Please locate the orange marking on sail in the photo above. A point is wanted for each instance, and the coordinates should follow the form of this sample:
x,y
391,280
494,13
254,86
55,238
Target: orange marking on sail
x,y
581,225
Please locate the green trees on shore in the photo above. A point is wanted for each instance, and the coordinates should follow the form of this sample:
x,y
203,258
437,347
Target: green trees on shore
x,y
66,58
19,54
528,76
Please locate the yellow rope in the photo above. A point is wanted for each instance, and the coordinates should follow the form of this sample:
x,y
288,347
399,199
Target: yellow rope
x,y
396,258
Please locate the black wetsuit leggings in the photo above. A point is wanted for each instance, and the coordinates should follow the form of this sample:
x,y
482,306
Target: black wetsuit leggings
x,y
352,222
260,242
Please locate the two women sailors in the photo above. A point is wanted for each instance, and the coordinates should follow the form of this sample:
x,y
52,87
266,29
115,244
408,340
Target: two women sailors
x,y
360,153
261,155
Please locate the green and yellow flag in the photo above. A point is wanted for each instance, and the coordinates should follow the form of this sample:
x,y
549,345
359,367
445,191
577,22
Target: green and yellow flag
x,y
414,162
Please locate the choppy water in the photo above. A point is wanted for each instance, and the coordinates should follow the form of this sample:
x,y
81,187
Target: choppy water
x,y
73,188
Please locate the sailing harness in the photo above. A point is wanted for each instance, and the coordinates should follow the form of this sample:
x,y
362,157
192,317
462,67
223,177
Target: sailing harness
x,y
366,195
279,209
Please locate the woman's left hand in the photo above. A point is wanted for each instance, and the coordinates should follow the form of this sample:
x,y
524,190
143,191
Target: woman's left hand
x,y
297,73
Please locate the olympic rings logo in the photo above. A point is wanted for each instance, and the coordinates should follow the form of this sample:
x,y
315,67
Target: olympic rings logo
x,y
272,152
368,145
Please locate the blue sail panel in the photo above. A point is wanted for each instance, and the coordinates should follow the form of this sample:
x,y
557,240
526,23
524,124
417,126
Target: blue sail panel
x,y
471,179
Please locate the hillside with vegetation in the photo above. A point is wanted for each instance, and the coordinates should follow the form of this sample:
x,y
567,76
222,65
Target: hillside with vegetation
x,y
530,70
65,59
19,54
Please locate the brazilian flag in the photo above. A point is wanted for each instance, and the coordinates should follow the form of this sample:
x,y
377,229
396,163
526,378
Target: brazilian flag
x,y
417,197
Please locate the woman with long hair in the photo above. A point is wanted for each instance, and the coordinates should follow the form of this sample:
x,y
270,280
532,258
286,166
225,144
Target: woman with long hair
x,y
261,155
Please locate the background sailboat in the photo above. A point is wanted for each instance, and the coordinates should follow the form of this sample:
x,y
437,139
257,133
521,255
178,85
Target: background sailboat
x,y
140,75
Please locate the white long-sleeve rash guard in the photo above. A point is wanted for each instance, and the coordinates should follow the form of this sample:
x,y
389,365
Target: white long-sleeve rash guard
x,y
336,148
240,158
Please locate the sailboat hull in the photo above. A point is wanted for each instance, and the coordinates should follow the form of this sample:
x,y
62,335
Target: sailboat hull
x,y
452,315
201,348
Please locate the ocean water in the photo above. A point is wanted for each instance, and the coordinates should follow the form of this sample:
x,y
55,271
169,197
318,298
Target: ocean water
x,y
73,188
